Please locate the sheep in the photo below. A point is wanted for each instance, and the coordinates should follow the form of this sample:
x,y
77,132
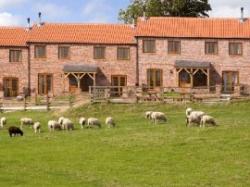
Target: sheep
x,y
110,122
67,124
37,127
82,122
206,119
14,131
193,116
60,120
158,116
148,114
2,122
54,125
26,121
93,122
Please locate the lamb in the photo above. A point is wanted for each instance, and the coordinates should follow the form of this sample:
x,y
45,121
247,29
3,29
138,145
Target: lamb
x,y
110,122
2,122
206,119
158,116
193,116
148,114
67,124
37,127
26,121
82,122
93,122
14,131
54,125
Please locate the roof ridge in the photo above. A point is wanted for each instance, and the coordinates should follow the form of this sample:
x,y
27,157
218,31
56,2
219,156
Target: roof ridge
x,y
87,24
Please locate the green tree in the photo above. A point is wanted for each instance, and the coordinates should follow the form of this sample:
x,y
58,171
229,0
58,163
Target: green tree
x,y
178,8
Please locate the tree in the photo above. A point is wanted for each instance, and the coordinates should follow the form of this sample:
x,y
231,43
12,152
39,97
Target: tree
x,y
177,8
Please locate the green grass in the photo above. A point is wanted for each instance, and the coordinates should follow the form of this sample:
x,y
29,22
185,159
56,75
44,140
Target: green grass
x,y
134,154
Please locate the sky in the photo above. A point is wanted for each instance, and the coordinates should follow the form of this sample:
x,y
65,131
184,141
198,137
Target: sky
x,y
16,12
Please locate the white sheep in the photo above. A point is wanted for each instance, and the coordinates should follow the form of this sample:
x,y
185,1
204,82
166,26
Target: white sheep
x,y
60,120
148,114
82,122
3,121
110,122
93,122
158,117
54,125
67,124
37,127
193,116
206,119
26,121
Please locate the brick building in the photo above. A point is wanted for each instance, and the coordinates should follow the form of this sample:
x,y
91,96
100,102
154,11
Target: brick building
x,y
194,53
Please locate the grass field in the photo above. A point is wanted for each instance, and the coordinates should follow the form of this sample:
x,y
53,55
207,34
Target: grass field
x,y
134,154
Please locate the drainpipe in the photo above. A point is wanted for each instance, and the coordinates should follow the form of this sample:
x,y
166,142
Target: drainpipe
x,y
29,72
137,63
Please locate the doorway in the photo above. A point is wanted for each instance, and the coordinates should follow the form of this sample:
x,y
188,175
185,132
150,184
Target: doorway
x,y
229,80
119,81
10,87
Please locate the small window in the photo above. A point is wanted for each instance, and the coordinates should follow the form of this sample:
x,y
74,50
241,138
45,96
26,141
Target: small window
x,y
99,52
123,53
40,51
63,52
211,48
45,82
15,55
148,46
174,47
235,48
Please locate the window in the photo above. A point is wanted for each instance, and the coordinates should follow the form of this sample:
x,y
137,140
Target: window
x,y
40,51
118,81
174,47
154,77
211,48
123,53
63,52
45,82
235,48
10,87
148,46
15,56
99,52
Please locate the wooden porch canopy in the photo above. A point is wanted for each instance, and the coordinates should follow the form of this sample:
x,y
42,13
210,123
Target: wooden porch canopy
x,y
79,71
192,68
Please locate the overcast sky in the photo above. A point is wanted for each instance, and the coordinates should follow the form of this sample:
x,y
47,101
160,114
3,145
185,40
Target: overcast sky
x,y
15,12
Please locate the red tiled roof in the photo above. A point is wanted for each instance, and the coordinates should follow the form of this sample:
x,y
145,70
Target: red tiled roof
x,y
83,33
193,27
13,36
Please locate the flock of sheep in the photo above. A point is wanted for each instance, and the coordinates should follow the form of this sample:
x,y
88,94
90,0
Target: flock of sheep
x,y
192,117
61,124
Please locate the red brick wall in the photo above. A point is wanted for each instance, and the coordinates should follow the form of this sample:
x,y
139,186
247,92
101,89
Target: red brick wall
x,y
193,49
14,69
82,54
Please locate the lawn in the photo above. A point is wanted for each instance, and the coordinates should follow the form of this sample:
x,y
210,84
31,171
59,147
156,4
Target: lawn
x,y
134,154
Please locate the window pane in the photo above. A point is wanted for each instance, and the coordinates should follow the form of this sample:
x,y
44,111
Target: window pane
x,y
235,49
99,52
174,47
123,53
211,48
40,51
15,55
149,46
63,52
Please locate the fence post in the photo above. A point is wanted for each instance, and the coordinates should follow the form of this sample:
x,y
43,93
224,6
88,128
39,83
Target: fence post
x,y
25,103
48,102
1,105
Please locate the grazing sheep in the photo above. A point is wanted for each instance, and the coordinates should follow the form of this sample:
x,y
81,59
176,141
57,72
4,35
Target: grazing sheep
x,y
158,117
148,114
193,116
37,127
2,122
82,122
93,122
110,122
60,120
67,124
54,125
26,121
206,119
14,131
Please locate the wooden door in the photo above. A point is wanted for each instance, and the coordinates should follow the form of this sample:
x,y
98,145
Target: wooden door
x,y
119,81
230,80
73,85
184,79
10,87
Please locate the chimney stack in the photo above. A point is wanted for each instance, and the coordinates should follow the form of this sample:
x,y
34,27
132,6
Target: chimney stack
x,y
40,19
29,24
242,19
